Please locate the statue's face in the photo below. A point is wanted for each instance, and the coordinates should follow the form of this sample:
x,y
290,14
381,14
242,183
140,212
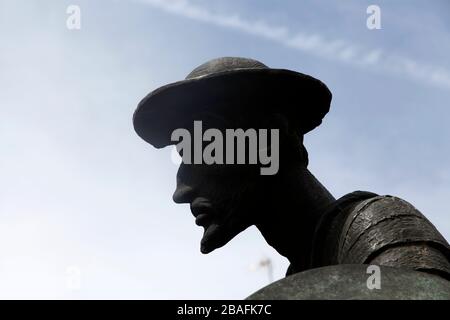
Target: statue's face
x,y
221,198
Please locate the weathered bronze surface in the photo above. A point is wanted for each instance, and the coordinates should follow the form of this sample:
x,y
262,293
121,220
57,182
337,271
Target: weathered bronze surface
x,y
349,282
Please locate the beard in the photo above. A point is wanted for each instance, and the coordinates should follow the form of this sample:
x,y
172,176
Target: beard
x,y
235,212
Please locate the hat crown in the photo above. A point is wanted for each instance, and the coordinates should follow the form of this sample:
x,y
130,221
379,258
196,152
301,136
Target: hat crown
x,y
225,64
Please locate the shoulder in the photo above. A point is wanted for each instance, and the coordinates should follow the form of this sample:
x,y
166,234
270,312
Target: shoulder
x,y
389,226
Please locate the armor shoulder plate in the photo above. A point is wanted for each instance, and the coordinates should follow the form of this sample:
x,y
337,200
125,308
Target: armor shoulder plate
x,y
391,227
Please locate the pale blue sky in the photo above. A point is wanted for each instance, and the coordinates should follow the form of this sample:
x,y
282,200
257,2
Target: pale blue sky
x,y
79,188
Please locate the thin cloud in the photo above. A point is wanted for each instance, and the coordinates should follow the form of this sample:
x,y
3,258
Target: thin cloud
x,y
315,44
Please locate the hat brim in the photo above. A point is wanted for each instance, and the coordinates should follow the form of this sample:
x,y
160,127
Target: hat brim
x,y
302,98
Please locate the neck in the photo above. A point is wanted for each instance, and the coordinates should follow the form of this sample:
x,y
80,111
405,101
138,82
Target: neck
x,y
288,222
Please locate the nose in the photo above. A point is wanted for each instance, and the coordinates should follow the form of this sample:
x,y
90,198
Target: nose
x,y
183,194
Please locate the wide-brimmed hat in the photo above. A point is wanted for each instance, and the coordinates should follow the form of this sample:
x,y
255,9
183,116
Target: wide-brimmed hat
x,y
231,85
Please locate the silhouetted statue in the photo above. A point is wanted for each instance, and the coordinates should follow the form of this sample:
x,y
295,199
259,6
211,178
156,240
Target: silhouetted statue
x,y
293,211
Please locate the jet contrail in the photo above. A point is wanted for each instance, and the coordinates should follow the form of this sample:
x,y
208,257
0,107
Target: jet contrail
x,y
314,44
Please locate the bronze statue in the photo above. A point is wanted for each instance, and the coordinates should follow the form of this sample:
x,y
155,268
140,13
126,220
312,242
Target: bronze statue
x,y
293,211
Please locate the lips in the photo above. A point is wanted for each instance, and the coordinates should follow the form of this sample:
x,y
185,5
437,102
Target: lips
x,y
202,211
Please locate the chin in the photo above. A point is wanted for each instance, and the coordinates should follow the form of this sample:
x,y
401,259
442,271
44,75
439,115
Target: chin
x,y
217,235
206,248
213,239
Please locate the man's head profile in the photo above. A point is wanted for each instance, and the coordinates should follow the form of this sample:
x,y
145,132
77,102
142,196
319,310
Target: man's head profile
x,y
242,97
